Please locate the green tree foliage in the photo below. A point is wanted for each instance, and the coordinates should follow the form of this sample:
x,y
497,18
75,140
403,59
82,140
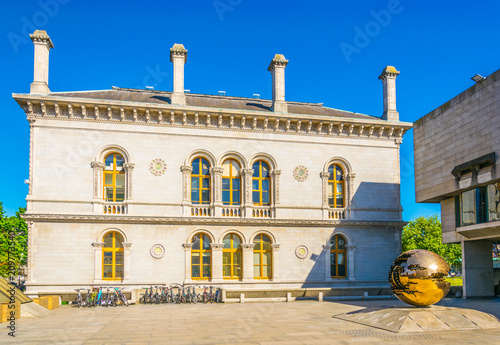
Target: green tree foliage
x,y
13,243
425,233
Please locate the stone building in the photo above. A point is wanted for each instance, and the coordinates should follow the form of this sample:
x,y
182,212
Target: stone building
x,y
456,150
135,187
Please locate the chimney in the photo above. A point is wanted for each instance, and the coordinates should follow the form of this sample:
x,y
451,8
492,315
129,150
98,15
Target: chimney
x,y
178,56
388,77
43,44
277,69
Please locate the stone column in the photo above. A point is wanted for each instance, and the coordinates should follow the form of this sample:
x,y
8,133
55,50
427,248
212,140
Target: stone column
x,y
477,269
29,268
98,246
186,184
216,180
178,57
247,252
275,180
277,69
98,168
388,78
328,269
276,261
187,254
246,179
128,167
324,184
43,44
350,248
217,261
127,248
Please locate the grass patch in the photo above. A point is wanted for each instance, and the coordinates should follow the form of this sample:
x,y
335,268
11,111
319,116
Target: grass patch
x,y
454,281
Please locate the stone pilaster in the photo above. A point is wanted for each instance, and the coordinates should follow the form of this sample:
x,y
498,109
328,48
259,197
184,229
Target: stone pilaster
x,y
98,246
217,261
187,255
349,193
127,248
388,78
216,177
246,197
350,248
98,168
29,268
324,185
247,252
129,168
275,188
186,184
276,260
328,270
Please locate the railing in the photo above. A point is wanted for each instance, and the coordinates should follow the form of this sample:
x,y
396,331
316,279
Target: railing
x,y
231,212
336,214
262,212
200,211
114,208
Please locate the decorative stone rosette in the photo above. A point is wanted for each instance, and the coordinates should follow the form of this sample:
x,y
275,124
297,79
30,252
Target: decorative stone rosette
x,y
157,167
157,251
300,173
301,252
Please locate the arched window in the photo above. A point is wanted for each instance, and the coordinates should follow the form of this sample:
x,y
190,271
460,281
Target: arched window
x,y
112,256
338,257
261,184
200,181
231,257
336,186
201,257
114,178
262,257
231,182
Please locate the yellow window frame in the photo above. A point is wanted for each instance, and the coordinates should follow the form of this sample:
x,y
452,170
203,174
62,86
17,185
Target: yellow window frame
x,y
231,178
332,180
200,177
260,179
233,250
114,249
113,173
336,251
201,251
260,239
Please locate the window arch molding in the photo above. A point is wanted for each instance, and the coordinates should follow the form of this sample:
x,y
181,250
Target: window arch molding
x,y
203,154
108,149
273,165
232,231
103,233
233,155
204,231
338,160
341,233
265,232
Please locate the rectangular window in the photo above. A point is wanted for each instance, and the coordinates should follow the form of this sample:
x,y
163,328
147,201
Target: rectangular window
x,y
468,207
458,222
481,206
494,202
225,197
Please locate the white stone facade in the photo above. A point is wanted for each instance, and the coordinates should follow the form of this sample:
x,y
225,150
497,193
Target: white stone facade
x,y
71,134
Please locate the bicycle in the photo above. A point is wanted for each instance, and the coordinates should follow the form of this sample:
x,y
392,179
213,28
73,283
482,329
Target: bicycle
x,y
205,294
144,299
120,296
79,301
218,293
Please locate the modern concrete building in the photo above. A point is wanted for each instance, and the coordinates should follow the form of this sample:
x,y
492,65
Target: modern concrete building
x,y
134,187
457,149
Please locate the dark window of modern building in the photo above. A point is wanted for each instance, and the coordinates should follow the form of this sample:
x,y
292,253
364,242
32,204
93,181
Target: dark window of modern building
x,y
478,205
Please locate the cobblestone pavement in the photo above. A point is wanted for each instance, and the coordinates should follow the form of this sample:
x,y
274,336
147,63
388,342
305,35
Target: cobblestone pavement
x,y
300,322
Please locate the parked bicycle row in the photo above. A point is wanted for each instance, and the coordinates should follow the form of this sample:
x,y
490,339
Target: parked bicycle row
x,y
180,294
104,296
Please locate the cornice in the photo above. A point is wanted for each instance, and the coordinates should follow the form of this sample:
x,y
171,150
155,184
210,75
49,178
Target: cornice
x,y
205,221
152,114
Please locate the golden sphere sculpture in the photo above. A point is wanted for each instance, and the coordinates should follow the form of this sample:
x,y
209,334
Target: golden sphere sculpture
x,y
417,277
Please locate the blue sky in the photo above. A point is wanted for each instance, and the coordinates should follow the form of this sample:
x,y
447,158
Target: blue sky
x,y
336,49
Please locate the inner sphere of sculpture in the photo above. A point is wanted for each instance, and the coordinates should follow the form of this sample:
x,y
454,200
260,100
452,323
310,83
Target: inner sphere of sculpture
x,y
417,277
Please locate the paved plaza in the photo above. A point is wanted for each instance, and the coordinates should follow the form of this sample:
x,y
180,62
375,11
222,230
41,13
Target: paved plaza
x,y
300,322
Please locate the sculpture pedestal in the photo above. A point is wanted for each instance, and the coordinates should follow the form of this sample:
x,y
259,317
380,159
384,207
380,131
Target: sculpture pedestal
x,y
428,319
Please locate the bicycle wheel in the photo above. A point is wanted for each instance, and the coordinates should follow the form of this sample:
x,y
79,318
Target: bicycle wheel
x,y
124,299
